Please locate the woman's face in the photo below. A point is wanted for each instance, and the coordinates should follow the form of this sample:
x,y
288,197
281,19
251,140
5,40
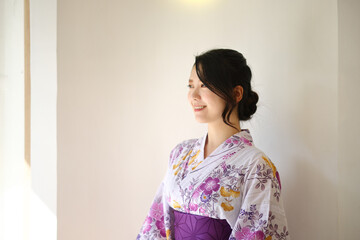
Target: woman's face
x,y
207,106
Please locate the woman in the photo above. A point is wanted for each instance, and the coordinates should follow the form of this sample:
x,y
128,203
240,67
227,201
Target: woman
x,y
219,186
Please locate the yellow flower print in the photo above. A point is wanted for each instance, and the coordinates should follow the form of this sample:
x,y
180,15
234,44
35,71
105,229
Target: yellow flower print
x,y
180,161
229,193
193,161
194,157
187,155
175,166
268,238
226,206
176,204
270,164
196,165
177,171
168,234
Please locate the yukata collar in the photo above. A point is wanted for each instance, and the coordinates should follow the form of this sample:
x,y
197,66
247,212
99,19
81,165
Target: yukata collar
x,y
240,138
215,158
244,135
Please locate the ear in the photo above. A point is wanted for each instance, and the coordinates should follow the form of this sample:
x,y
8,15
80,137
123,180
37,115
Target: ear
x,y
238,93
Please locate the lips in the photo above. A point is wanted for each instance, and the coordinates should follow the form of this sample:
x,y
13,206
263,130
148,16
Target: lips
x,y
199,108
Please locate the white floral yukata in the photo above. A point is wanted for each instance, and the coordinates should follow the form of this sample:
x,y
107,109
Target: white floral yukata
x,y
236,182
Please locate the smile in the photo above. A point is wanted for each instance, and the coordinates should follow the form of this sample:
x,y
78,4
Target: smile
x,y
199,108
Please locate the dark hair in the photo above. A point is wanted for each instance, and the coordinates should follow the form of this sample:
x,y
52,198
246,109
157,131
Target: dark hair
x,y
221,70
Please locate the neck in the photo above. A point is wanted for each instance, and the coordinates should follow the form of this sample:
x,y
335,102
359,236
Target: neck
x,y
218,132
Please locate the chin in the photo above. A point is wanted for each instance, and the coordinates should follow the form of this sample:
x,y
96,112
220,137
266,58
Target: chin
x,y
201,120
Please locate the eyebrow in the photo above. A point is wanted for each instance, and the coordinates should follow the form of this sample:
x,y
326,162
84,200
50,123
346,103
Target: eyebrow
x,y
190,80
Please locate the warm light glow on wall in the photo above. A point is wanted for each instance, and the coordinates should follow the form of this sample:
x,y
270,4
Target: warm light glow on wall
x,y
198,3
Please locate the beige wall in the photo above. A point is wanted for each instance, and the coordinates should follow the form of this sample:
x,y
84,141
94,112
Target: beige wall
x,y
349,118
122,72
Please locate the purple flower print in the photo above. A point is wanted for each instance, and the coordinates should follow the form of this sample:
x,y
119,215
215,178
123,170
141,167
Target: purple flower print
x,y
228,155
258,235
233,140
196,193
230,142
246,141
278,178
193,207
175,156
204,197
156,211
223,166
161,226
210,184
246,234
147,224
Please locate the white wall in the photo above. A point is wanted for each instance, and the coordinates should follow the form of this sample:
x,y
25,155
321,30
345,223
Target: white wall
x,y
14,171
43,118
349,118
122,72
43,92
28,194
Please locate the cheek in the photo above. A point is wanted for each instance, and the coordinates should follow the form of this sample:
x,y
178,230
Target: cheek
x,y
208,97
220,106
189,97
214,101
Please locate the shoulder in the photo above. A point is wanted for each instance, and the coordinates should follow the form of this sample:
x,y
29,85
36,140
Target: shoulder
x,y
261,166
183,146
257,156
261,159
248,155
189,143
254,159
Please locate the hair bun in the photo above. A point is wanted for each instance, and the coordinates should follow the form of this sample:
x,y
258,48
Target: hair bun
x,y
247,107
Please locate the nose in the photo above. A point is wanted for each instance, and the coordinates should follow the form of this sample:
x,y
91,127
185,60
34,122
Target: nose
x,y
195,94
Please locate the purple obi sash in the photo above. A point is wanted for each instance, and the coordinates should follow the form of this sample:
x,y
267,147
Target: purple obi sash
x,y
190,227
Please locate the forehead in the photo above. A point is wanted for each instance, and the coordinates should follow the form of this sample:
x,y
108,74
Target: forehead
x,y
193,75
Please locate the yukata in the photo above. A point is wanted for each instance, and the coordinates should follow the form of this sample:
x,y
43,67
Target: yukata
x,y
233,194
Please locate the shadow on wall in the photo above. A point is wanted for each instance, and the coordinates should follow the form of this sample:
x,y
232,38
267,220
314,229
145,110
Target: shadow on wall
x,y
311,198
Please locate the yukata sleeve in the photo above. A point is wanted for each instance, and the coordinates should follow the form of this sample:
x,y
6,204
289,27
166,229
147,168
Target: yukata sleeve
x,y
262,215
153,227
157,223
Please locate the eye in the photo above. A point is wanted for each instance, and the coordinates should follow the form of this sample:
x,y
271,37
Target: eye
x,y
191,86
